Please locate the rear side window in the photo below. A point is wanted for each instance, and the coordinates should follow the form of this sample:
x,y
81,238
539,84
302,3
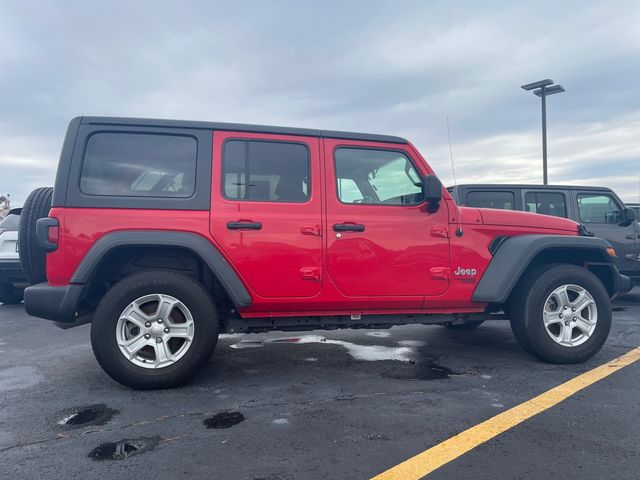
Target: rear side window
x,y
139,165
598,208
265,171
546,203
491,199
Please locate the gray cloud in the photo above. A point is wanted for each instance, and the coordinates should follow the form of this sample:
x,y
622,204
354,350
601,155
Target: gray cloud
x,y
388,67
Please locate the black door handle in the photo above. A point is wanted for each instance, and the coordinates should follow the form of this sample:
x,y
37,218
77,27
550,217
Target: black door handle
x,y
244,225
348,227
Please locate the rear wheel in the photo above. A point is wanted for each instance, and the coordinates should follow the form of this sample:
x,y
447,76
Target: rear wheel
x,y
561,313
154,330
32,258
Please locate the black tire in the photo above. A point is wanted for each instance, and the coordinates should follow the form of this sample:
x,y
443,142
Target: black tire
x,y
32,258
103,329
470,325
527,304
10,295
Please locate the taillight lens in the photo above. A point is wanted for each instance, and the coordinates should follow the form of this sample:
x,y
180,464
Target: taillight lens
x,y
52,234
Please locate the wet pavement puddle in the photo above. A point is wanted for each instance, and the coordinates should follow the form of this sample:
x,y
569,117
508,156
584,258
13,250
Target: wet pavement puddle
x,y
426,370
370,353
224,420
94,415
124,448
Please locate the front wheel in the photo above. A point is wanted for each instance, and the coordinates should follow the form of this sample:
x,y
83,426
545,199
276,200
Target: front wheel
x,y
561,313
154,330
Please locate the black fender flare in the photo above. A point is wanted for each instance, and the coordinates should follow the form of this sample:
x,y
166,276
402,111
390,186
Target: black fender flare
x,y
514,255
199,245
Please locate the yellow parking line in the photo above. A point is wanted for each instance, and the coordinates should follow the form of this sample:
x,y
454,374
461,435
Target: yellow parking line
x,y
433,458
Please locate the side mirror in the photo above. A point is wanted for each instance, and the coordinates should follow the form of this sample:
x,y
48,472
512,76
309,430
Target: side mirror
x,y
628,216
432,189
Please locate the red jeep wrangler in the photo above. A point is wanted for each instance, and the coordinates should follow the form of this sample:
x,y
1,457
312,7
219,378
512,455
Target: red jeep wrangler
x,y
165,233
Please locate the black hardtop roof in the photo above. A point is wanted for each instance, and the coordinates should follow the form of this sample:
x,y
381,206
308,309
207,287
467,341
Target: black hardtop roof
x,y
506,186
238,127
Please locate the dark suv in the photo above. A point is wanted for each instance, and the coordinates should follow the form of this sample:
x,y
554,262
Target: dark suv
x,y
164,233
599,209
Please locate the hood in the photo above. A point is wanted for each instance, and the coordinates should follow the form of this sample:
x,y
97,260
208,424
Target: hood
x,y
511,218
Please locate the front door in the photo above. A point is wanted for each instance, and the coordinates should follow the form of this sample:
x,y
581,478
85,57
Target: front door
x,y
266,211
383,240
602,215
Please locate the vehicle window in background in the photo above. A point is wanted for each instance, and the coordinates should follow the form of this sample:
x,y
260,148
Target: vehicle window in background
x,y
546,203
265,171
139,165
491,199
370,176
598,208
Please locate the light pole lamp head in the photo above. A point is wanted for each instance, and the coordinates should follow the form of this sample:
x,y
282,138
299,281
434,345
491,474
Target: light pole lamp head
x,y
549,91
538,84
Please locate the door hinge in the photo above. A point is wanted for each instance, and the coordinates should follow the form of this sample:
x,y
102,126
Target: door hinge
x,y
440,272
311,273
440,232
311,230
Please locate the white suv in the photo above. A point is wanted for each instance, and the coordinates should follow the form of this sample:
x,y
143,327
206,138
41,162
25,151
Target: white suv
x,y
12,281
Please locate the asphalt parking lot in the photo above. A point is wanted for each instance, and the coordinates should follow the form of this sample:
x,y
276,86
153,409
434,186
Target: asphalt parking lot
x,y
313,405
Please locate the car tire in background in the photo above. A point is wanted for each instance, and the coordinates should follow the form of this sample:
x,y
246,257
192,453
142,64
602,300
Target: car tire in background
x,y
560,313
32,258
10,295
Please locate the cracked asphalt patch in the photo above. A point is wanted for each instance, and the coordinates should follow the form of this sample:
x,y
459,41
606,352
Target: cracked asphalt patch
x,y
313,410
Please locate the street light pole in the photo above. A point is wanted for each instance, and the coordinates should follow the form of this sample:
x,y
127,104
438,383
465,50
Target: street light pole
x,y
544,136
544,88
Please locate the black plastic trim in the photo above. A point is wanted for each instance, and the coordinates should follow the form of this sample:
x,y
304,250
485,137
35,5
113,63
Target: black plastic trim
x,y
42,233
190,241
53,303
514,255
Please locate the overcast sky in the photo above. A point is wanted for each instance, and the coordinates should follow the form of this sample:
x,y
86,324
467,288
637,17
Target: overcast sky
x,y
384,67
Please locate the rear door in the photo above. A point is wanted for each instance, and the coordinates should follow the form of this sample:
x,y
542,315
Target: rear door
x,y
383,242
601,212
266,211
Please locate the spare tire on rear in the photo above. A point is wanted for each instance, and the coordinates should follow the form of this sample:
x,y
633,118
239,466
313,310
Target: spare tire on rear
x,y
32,258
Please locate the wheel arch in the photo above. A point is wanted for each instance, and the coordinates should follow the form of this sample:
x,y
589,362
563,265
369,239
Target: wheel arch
x,y
517,255
137,250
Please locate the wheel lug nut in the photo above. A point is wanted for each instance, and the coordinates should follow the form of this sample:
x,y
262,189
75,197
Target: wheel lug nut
x,y
565,307
147,336
159,320
147,324
566,324
166,330
158,340
573,309
575,319
561,316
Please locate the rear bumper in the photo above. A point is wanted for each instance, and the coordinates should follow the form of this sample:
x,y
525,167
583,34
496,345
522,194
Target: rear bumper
x,y
59,304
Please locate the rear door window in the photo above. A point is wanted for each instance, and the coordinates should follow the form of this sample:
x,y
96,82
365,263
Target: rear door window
x,y
491,199
139,165
546,203
598,208
265,171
